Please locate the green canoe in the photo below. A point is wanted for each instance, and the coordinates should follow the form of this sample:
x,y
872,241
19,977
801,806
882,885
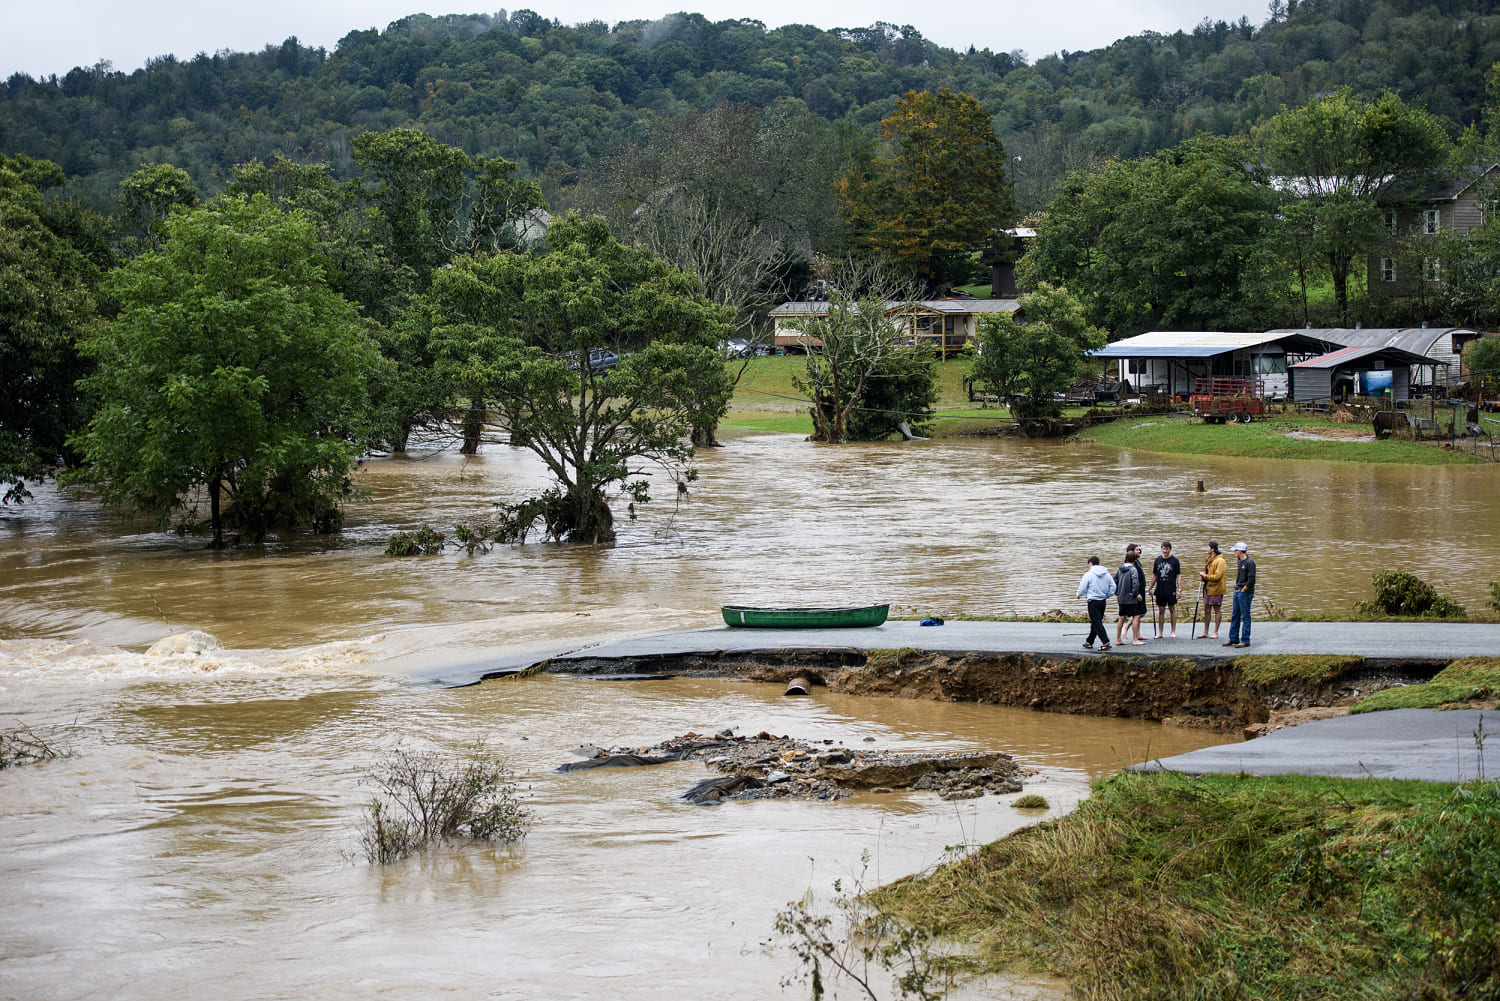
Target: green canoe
x,y
805,618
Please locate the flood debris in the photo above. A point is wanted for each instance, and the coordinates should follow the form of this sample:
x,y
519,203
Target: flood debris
x,y
770,767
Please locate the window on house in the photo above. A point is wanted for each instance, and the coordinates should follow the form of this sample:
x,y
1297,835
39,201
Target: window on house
x,y
1388,218
1432,270
1430,221
1387,269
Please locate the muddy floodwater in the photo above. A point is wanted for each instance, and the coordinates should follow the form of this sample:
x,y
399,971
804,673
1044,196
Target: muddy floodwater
x,y
201,840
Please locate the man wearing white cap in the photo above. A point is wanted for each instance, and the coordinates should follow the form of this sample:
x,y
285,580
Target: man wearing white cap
x,y
1244,595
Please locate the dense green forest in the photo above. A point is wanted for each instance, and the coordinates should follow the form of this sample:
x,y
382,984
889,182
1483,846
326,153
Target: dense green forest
x,y
558,99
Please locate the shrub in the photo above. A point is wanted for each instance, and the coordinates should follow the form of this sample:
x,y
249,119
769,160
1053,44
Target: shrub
x,y
1031,801
22,745
426,541
1400,593
423,798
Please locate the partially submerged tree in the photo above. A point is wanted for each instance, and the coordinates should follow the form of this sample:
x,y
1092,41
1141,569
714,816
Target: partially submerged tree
x,y
231,366
46,305
517,332
1028,363
846,347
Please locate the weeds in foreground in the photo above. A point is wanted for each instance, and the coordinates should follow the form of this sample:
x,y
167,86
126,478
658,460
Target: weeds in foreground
x,y
422,798
1237,887
858,943
21,745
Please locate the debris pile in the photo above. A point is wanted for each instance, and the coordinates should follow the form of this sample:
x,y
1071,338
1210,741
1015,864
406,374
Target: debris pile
x,y
769,767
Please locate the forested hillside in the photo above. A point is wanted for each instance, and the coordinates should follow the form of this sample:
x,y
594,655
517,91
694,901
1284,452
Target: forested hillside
x,y
558,98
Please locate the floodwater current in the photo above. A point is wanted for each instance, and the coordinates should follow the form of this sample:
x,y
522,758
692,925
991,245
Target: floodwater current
x,y
202,838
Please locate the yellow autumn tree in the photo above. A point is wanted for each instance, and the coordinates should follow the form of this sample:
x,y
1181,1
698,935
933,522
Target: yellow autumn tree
x,y
935,188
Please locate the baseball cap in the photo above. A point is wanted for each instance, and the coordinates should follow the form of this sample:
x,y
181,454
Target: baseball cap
x,y
1240,547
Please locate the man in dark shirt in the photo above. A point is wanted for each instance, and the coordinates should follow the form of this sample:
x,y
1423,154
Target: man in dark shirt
x,y
1166,577
1244,595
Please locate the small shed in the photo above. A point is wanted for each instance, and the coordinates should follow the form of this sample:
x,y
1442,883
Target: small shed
x,y
1362,370
1171,361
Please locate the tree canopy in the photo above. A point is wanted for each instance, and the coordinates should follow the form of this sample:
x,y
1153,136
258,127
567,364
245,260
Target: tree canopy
x,y
935,192
517,331
232,366
1028,363
1338,151
46,303
1175,241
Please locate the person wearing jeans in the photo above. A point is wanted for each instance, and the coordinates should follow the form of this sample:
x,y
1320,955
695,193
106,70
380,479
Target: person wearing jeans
x,y
1244,596
1097,585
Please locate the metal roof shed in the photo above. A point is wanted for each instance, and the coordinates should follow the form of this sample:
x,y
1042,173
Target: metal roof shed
x,y
1349,370
1435,344
1169,361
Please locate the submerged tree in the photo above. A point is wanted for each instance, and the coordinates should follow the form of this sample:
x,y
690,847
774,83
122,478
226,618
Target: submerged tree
x,y
525,336
846,348
231,366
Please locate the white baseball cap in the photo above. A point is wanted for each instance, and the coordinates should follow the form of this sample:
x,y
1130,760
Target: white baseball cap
x,y
1240,547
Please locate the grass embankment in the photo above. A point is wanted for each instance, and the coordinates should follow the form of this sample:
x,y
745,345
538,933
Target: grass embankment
x,y
1462,683
1280,436
1235,887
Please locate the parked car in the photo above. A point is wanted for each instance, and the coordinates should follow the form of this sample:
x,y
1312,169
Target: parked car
x,y
600,360
740,347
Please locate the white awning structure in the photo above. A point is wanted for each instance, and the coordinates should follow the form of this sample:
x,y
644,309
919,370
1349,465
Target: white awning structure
x,y
1208,343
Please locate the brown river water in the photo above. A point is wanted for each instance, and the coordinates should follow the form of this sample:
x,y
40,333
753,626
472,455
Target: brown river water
x,y
201,841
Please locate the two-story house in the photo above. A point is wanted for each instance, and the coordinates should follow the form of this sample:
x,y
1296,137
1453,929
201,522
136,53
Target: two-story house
x,y
1407,262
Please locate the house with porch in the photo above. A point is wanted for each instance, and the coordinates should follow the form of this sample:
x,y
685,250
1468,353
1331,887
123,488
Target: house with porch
x,y
1170,361
946,325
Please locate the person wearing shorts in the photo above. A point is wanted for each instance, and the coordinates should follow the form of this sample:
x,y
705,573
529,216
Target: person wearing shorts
x,y
1166,588
1130,589
1213,591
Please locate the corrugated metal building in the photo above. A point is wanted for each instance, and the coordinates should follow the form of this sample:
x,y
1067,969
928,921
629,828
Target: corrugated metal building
x,y
1361,370
1170,361
1436,344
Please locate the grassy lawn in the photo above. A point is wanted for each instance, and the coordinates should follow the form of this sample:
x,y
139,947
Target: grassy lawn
x,y
1280,436
1234,886
765,399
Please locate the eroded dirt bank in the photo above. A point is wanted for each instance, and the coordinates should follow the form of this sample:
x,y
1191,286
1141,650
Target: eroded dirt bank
x,y
1208,692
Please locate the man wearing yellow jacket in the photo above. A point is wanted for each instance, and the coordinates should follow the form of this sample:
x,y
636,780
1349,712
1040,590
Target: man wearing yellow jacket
x,y
1213,592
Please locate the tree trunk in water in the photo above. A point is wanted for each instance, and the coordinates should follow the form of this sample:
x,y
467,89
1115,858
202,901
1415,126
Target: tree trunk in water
x,y
703,436
213,512
473,428
588,517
